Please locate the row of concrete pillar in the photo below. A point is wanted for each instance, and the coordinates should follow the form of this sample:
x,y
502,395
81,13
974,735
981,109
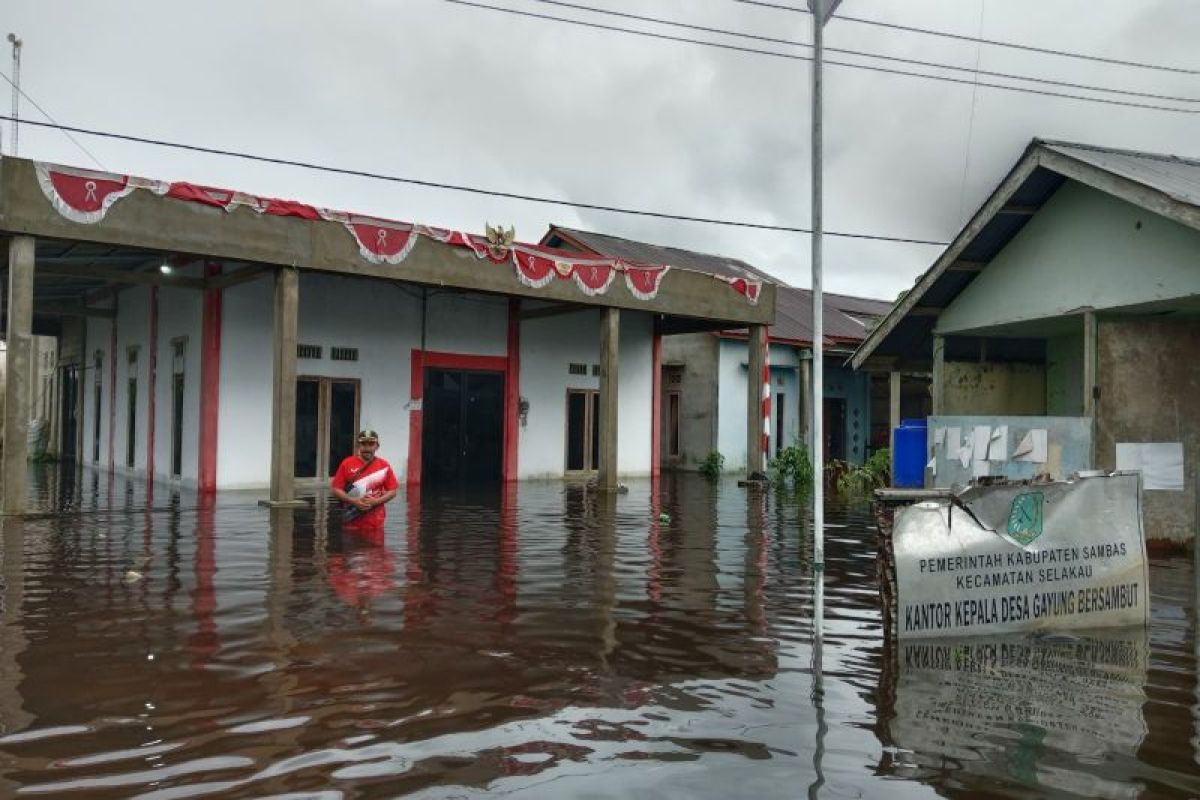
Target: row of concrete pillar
x,y
21,267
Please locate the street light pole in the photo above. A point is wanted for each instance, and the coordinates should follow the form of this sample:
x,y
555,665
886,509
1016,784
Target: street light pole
x,y
822,10
16,43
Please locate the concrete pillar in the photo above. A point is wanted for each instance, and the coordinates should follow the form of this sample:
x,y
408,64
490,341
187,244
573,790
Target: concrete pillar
x,y
283,394
610,333
16,388
83,378
1089,377
754,398
806,405
893,413
939,372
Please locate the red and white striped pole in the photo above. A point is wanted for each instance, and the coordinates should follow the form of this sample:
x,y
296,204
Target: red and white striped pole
x,y
766,403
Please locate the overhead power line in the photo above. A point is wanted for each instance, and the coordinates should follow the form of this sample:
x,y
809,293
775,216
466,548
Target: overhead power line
x,y
468,189
792,56
993,42
47,115
867,54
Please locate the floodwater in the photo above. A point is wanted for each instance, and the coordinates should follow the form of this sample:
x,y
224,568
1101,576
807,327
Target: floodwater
x,y
541,644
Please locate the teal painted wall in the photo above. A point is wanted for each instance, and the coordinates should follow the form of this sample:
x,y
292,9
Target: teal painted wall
x,y
1064,375
1083,248
855,389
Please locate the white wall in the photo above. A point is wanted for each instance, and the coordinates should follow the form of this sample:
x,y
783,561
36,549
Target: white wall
x,y
179,315
731,405
380,319
98,332
548,346
244,405
383,321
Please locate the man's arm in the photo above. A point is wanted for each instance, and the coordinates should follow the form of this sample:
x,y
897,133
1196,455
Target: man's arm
x,y
391,488
335,486
381,499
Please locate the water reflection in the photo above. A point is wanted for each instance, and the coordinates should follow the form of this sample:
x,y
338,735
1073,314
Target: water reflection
x,y
538,638
1022,709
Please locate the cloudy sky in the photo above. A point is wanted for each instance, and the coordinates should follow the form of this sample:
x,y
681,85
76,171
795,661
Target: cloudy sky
x,y
433,90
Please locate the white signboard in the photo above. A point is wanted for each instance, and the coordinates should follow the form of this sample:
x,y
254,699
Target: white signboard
x,y
1016,558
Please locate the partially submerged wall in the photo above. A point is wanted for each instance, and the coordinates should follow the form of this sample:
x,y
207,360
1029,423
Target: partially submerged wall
x,y
694,355
1149,377
993,389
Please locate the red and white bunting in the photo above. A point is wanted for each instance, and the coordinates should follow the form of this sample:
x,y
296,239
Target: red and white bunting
x,y
643,281
207,195
82,195
593,278
85,196
750,289
379,241
533,269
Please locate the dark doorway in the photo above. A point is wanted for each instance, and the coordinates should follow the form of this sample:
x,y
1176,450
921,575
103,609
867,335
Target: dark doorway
x,y
308,406
343,418
131,424
97,393
583,430
462,439
834,423
326,421
780,409
177,425
69,412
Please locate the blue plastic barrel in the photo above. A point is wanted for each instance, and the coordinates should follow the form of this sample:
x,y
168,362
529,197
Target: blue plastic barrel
x,y
909,457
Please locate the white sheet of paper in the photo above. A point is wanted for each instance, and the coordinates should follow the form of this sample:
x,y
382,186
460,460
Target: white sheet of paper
x,y
964,453
1161,463
953,441
939,436
1033,447
998,446
980,469
932,466
953,444
982,436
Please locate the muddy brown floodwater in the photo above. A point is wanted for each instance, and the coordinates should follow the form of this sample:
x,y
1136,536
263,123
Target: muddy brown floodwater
x,y
545,644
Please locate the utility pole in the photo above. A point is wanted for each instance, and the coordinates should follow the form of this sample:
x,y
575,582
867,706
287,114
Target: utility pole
x,y
821,10
16,43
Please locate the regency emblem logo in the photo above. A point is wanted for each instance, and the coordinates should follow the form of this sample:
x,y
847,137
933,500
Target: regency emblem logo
x,y
1025,517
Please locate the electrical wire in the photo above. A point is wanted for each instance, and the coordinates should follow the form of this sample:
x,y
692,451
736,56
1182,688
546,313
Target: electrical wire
x,y
47,115
993,42
794,57
470,189
867,54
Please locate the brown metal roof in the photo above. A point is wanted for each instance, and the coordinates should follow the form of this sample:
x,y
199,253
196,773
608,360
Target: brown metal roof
x,y
846,318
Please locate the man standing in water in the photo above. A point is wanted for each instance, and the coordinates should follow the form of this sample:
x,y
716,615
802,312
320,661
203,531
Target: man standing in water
x,y
364,483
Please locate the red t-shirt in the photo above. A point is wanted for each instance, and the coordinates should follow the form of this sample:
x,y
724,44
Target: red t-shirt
x,y
365,480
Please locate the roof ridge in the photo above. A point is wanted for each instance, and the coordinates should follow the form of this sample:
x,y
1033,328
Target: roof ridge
x,y
1168,157
758,271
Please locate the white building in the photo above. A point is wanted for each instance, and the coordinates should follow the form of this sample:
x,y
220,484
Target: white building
x,y
238,342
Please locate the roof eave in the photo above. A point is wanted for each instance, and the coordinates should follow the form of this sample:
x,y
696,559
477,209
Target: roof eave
x,y
1029,161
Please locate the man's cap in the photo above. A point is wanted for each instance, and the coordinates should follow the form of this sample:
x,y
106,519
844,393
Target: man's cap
x,y
368,436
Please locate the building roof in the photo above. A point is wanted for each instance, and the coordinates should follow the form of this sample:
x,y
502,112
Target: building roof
x,y
1163,184
846,318
617,247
